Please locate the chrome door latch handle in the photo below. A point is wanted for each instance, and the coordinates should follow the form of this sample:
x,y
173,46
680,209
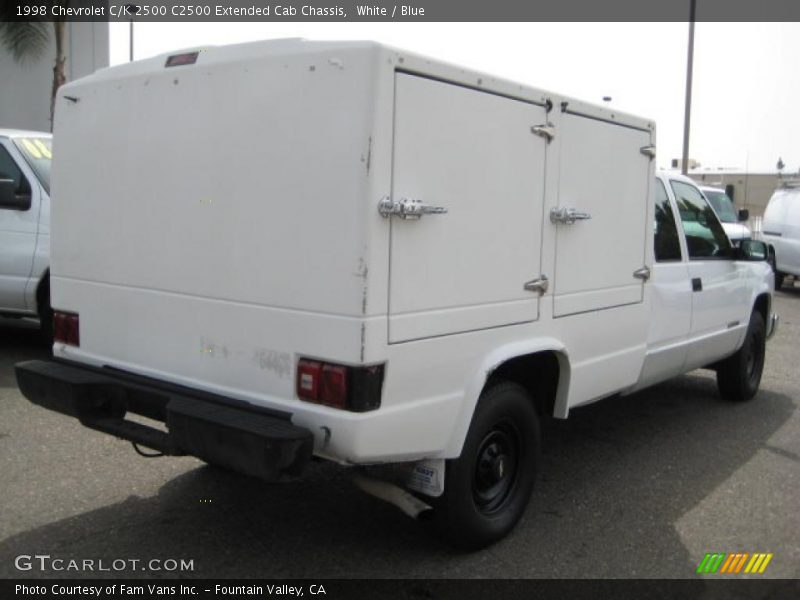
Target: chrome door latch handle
x,y
407,208
567,215
643,273
537,285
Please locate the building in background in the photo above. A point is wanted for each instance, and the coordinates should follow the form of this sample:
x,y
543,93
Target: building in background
x,y
25,89
750,190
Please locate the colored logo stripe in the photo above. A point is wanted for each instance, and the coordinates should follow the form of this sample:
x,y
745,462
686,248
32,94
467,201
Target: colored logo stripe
x,y
734,562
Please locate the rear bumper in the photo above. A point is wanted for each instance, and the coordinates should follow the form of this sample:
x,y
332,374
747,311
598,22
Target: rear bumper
x,y
224,431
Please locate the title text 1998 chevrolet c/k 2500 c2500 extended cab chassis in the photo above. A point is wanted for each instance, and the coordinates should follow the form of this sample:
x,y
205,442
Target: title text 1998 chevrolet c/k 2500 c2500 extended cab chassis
x,y
286,249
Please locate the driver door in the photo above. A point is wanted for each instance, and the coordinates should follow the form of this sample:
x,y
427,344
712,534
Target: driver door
x,y
720,295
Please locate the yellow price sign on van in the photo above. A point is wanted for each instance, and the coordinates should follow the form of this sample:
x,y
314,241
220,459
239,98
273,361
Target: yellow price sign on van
x,y
37,149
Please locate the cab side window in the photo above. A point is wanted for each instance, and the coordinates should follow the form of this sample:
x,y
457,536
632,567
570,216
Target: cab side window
x,y
705,237
10,170
667,243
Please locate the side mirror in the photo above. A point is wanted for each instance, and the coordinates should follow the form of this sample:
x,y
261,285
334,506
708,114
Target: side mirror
x,y
9,197
752,250
744,214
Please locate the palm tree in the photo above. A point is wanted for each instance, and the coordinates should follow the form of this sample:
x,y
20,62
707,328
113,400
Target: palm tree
x,y
27,40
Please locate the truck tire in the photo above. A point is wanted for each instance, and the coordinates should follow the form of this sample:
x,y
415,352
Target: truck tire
x,y
488,487
739,376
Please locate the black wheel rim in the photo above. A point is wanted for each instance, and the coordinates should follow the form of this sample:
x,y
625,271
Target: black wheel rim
x,y
496,467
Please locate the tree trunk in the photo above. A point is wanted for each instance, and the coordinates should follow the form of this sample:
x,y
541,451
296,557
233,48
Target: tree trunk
x,y
59,75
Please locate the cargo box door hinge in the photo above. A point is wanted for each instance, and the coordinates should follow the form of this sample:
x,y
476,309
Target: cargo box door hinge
x,y
648,151
547,131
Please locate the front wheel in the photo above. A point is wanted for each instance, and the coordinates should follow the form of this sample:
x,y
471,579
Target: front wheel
x,y
488,487
739,376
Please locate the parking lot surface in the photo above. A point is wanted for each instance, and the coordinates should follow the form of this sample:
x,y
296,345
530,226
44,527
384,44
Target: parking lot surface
x,y
640,486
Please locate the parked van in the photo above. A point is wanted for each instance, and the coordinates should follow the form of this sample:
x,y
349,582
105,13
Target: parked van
x,y
25,225
289,249
781,230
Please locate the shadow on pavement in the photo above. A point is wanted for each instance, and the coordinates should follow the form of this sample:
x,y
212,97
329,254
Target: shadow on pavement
x,y
19,340
617,476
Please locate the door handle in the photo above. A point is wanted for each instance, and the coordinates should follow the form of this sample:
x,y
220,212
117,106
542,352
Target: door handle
x,y
407,208
697,284
537,285
567,216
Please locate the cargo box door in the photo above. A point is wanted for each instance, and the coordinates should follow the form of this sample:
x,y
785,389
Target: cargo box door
x,y
604,179
472,154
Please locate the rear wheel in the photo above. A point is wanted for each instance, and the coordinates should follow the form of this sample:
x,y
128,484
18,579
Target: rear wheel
x,y
488,487
739,376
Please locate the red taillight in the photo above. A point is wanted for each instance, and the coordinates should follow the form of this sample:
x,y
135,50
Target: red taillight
x,y
333,390
66,328
356,389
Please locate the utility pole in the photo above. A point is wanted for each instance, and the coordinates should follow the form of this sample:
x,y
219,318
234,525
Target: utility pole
x,y
688,108
131,10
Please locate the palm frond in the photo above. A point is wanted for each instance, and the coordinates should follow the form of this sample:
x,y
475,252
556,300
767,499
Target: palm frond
x,y
24,39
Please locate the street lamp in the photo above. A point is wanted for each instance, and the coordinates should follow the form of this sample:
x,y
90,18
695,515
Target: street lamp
x,y
131,10
688,108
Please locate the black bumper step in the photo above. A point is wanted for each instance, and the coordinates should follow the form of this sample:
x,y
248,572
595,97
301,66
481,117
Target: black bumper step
x,y
137,433
222,431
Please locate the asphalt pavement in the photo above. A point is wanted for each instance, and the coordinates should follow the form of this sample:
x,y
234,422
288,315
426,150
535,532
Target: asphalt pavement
x,y
640,486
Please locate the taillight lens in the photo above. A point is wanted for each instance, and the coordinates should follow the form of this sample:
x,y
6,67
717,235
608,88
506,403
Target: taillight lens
x,y
66,328
333,387
357,389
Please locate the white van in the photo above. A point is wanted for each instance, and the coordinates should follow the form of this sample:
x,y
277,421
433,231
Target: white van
x,y
289,249
781,230
25,158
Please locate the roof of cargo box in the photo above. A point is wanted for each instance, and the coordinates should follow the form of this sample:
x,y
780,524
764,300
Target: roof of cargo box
x,y
397,59
13,133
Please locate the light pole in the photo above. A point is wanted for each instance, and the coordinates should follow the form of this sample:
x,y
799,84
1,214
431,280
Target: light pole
x,y
131,10
688,108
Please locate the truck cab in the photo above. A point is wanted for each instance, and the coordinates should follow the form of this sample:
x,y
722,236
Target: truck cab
x,y
704,292
25,158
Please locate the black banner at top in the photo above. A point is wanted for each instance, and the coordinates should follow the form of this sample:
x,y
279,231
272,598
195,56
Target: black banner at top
x,y
395,10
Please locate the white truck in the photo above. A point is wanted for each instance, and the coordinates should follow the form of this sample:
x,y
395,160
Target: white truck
x,y
25,158
733,221
290,249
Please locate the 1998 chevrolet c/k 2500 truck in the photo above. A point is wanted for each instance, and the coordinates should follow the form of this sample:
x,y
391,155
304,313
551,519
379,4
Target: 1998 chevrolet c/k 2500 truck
x,y
286,249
